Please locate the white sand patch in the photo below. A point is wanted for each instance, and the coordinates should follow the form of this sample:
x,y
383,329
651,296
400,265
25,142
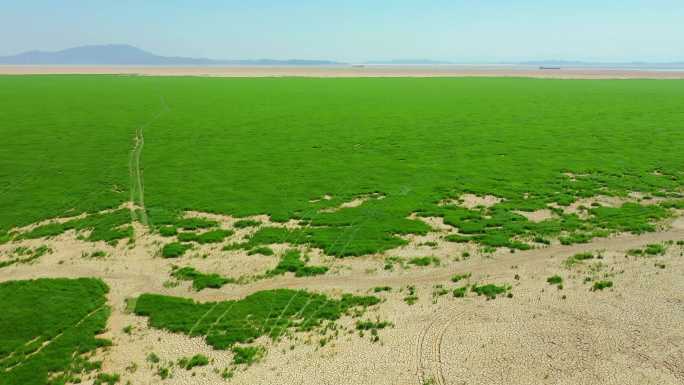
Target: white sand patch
x,y
538,215
472,201
356,202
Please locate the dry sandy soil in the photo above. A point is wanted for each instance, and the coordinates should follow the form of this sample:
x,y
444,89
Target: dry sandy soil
x,y
349,71
629,334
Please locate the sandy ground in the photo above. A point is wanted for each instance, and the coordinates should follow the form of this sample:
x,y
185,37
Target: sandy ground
x,y
629,334
348,71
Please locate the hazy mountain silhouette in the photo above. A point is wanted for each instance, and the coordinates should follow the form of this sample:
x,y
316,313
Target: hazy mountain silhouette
x,y
122,54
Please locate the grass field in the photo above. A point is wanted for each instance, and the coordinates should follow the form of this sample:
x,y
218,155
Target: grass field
x,y
46,327
456,170
272,146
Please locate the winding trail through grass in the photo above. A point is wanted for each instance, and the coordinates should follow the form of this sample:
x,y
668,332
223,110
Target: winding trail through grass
x,y
137,189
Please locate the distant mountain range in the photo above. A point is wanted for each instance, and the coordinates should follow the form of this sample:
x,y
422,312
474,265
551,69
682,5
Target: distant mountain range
x,y
121,54
575,63
409,62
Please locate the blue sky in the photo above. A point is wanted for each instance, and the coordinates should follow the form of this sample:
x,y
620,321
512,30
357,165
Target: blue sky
x,y
356,30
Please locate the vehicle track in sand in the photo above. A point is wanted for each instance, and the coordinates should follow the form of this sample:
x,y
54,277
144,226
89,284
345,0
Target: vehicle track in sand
x,y
429,348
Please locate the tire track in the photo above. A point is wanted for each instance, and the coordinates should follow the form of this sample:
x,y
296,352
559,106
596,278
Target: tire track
x,y
137,189
429,349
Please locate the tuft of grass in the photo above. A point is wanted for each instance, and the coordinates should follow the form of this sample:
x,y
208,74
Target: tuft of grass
x,y
244,223
263,250
460,277
174,249
555,280
600,285
460,292
152,358
194,361
25,255
369,325
490,290
577,259
424,261
247,355
105,378
379,289
655,249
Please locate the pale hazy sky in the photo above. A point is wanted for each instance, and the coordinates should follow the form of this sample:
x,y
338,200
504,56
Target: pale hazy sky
x,y
356,30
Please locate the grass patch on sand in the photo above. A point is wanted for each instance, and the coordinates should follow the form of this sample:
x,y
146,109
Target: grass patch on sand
x,y
577,259
291,261
48,329
266,313
490,290
200,280
194,361
247,355
174,249
22,255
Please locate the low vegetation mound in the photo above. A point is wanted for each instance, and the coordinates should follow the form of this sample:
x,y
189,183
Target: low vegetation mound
x,y
200,280
266,313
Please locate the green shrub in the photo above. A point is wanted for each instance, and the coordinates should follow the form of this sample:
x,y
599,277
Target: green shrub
x,y
555,280
600,285
490,290
104,378
174,250
655,249
379,289
460,292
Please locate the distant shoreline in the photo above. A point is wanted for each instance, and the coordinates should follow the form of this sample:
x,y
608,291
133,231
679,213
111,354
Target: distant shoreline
x,y
350,71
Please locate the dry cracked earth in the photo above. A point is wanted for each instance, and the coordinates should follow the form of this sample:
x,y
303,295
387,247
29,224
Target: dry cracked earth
x,y
630,333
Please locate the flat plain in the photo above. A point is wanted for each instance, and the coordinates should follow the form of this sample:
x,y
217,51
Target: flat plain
x,y
359,230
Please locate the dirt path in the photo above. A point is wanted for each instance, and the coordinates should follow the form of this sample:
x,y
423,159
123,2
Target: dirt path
x,y
137,188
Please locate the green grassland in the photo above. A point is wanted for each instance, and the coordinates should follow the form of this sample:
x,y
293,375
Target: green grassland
x,y
47,327
272,146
